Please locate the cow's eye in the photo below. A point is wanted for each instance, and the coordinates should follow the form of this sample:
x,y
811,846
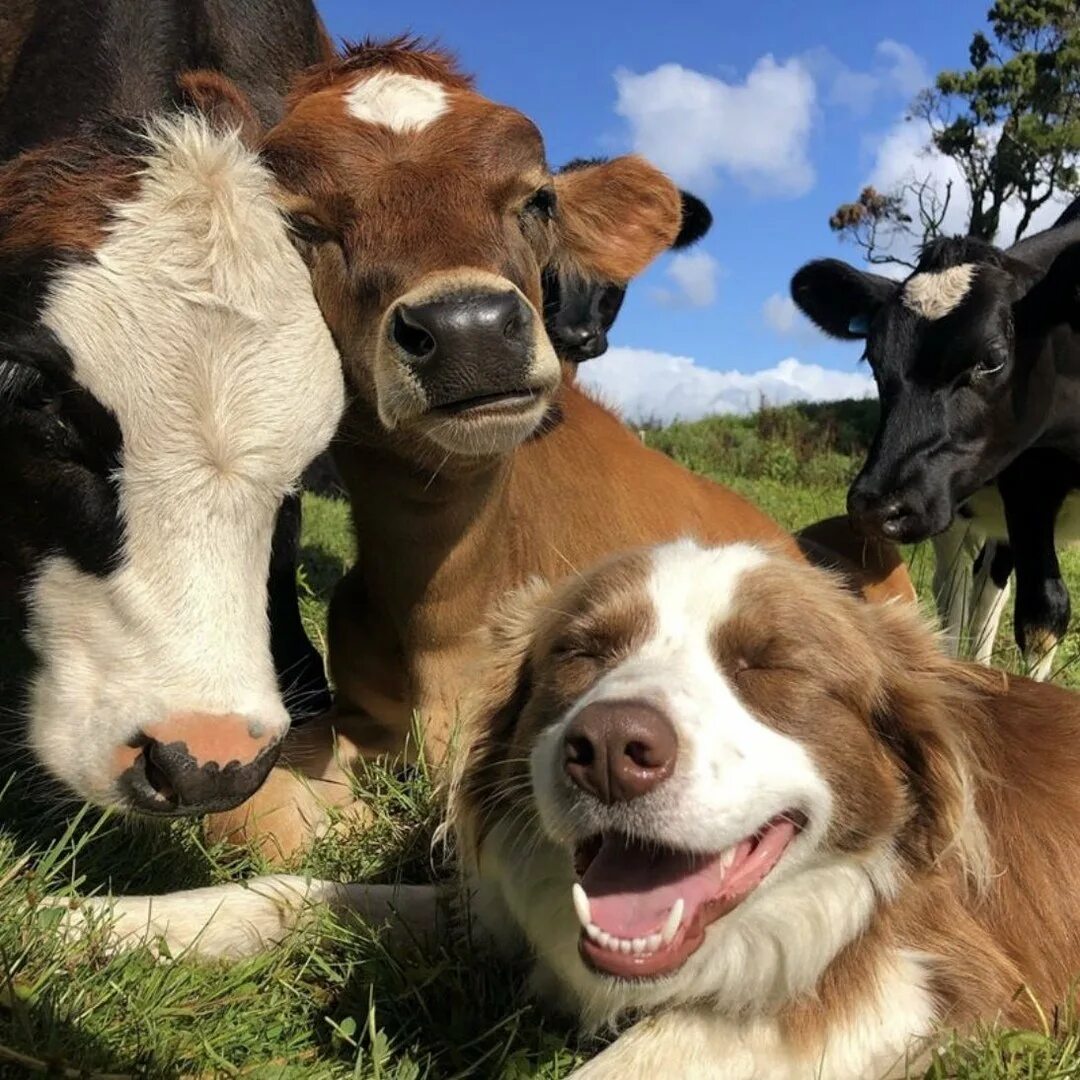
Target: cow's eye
x,y
310,230
989,365
542,203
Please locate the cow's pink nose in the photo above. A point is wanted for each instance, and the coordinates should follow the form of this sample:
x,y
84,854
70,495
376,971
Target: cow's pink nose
x,y
196,763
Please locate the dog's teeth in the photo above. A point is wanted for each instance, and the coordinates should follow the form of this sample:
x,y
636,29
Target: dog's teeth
x,y
674,918
727,858
593,931
625,945
638,945
581,905
653,942
604,940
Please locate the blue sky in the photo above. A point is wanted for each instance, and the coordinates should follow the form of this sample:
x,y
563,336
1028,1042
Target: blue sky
x,y
773,145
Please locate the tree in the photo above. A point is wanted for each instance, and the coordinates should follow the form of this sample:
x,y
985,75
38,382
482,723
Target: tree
x,y
1011,123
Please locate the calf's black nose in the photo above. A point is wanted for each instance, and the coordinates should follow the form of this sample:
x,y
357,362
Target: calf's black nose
x,y
462,326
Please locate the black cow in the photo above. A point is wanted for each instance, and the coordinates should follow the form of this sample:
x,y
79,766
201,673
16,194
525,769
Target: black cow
x,y
578,313
152,419
977,361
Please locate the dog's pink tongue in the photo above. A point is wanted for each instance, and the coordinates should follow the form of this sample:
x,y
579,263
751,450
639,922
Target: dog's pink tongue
x,y
632,888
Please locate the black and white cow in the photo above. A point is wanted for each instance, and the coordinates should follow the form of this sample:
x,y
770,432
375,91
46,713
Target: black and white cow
x,y
977,361
165,377
578,313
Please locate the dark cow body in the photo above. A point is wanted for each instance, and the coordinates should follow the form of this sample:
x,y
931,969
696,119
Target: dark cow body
x,y
129,53
86,74
977,360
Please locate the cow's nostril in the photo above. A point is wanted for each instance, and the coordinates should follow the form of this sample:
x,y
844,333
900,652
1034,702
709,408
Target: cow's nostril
x,y
411,336
155,775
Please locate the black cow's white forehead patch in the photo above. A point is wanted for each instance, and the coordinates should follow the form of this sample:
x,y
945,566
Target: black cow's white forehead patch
x,y
933,294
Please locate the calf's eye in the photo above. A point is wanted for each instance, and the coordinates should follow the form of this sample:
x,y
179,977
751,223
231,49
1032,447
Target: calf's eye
x,y
542,203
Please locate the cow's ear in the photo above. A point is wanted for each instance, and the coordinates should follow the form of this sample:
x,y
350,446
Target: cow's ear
x,y
839,298
615,217
223,103
696,221
1048,296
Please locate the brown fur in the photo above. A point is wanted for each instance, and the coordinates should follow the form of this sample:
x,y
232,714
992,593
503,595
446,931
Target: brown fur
x,y
594,236
16,19
218,98
973,777
57,198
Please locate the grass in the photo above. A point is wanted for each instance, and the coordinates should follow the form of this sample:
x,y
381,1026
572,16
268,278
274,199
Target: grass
x,y
340,1006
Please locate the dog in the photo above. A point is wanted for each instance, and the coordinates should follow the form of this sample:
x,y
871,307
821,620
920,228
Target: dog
x,y
758,827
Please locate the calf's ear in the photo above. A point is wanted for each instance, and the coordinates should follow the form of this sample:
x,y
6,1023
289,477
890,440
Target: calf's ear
x,y
614,217
223,103
840,299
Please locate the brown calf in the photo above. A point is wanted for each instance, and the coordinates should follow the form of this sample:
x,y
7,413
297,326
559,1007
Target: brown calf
x,y
471,461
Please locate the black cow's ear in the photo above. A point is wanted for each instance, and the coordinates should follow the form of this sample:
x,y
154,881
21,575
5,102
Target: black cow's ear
x,y
840,299
697,219
1051,296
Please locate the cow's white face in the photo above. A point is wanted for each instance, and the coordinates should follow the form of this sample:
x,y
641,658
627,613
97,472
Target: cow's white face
x,y
185,380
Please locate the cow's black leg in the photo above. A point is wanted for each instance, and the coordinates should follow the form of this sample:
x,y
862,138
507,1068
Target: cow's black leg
x,y
1033,489
300,671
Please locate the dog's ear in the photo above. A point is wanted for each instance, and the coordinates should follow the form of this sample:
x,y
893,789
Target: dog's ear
x,y
223,103
503,685
508,638
927,705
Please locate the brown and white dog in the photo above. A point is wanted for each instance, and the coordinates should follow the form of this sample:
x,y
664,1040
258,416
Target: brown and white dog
x,y
773,830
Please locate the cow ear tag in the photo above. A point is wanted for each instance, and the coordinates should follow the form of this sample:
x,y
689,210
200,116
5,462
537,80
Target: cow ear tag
x,y
860,324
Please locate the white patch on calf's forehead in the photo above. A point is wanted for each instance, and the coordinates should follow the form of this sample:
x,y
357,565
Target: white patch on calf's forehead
x,y
399,102
934,293
196,325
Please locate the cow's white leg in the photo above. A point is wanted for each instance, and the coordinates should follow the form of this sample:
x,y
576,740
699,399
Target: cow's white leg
x,y
952,582
1041,661
989,605
238,920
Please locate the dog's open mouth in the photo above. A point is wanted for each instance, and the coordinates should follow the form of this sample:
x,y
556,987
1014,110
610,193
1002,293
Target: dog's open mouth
x,y
644,909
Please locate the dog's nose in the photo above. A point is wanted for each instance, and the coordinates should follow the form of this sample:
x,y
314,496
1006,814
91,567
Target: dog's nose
x,y
619,750
196,763
462,326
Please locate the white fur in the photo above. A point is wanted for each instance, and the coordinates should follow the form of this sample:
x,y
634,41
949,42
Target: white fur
x,y
402,103
196,325
229,922
933,294
885,1039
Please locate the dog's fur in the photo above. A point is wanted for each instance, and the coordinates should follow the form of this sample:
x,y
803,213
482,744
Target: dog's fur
x,y
920,891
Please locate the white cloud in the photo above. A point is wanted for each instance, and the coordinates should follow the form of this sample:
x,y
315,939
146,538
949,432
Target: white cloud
x,y
905,71
781,313
897,71
646,385
695,273
900,156
697,127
